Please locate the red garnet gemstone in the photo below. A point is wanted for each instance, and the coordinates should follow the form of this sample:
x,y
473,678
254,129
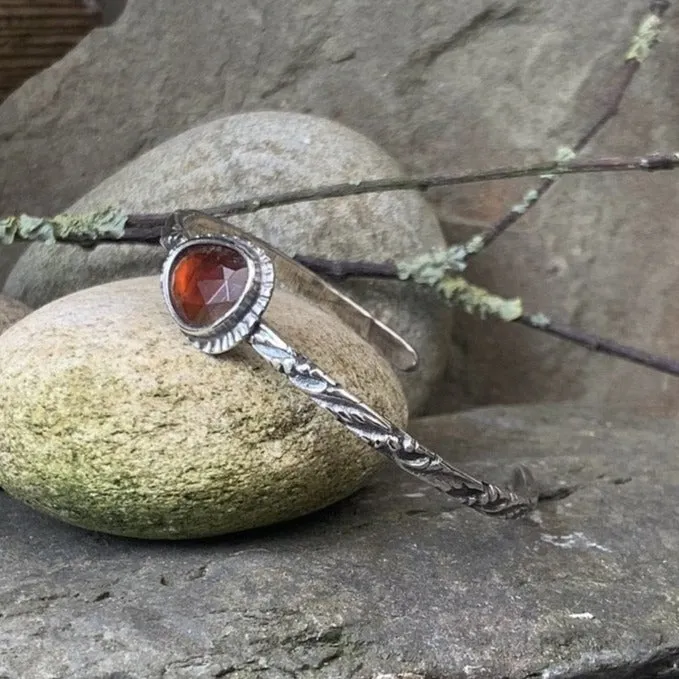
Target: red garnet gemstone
x,y
206,282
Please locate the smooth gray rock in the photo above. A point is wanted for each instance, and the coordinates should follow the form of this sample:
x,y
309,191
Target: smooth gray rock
x,y
111,10
253,154
441,86
394,581
11,311
8,258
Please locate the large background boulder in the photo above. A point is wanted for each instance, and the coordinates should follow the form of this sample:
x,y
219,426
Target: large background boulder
x,y
440,86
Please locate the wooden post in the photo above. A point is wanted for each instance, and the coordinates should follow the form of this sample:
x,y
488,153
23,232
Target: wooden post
x,y
36,33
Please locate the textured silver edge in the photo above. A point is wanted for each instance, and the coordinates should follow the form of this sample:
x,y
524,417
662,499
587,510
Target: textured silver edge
x,y
388,439
242,318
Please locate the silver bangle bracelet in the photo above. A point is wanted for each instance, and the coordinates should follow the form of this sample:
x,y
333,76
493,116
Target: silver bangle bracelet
x,y
217,312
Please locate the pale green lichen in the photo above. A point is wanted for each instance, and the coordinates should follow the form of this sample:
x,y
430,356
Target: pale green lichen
x,y
474,245
645,39
437,270
529,198
64,227
540,320
478,301
430,267
563,156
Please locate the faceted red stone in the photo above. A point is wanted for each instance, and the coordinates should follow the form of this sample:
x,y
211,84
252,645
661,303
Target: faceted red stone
x,y
206,282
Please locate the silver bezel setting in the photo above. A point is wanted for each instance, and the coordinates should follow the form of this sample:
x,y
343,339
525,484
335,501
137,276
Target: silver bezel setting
x,y
242,319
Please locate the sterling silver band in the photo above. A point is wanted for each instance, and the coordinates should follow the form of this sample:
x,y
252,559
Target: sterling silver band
x,y
245,323
388,439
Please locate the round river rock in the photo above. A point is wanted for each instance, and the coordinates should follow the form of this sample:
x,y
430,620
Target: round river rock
x,y
254,154
113,422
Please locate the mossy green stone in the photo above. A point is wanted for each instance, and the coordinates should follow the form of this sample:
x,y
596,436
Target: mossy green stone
x,y
113,422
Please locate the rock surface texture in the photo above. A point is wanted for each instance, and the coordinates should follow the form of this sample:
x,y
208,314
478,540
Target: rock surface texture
x,y
112,421
11,311
440,86
253,154
396,581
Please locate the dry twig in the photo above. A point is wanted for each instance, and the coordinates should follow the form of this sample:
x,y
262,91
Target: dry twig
x,y
642,43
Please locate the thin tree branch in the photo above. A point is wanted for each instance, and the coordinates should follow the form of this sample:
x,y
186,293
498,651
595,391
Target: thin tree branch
x,y
642,42
335,268
87,229
598,344
147,228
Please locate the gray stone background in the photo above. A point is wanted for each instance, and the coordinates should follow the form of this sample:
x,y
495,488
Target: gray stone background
x,y
394,582
441,86
111,10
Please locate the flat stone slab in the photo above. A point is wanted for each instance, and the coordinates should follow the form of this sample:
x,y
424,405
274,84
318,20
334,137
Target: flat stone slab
x,y
394,582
